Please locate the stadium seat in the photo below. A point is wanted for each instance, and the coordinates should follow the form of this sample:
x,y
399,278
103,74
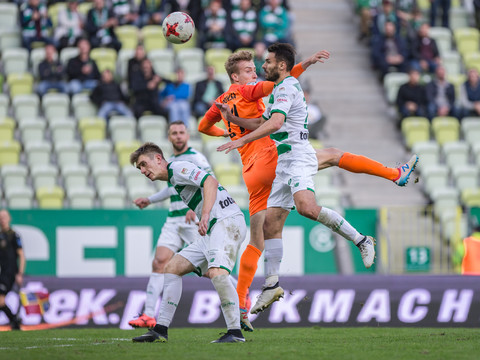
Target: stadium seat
x,y
466,39
428,152
445,129
68,153
84,7
74,176
138,192
192,43
38,152
55,105
471,197
44,175
53,11
466,176
105,58
323,179
134,178
163,62
456,153
472,60
81,197
457,81
92,128
19,197
10,39
7,129
50,197
215,157
452,62
240,194
476,152
62,130
435,177
153,38
128,36
83,106
9,152
99,153
329,197
112,197
391,83
228,174
106,176
197,144
20,84
415,129
37,55
471,129
26,106
191,60
124,149
122,128
124,55
458,18
67,53
13,176
8,16
32,130
3,105
217,58
445,199
15,60
443,38
152,128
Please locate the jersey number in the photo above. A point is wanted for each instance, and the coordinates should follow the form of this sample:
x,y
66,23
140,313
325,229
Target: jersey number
x,y
242,130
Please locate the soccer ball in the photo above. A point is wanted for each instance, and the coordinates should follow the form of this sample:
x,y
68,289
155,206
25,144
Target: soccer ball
x,y
178,27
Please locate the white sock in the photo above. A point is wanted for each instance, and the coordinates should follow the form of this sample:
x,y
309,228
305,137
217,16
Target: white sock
x,y
172,292
273,258
338,224
233,281
154,289
228,300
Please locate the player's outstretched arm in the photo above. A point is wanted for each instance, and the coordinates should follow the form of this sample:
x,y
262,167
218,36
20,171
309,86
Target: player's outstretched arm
x,y
319,56
250,124
209,196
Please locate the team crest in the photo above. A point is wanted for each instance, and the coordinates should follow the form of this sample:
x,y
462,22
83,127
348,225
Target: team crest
x,y
184,171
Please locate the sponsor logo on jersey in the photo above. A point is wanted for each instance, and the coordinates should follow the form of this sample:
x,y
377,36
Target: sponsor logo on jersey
x,y
196,175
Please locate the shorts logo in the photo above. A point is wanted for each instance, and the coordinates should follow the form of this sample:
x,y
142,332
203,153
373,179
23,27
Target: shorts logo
x,y
184,171
212,259
296,185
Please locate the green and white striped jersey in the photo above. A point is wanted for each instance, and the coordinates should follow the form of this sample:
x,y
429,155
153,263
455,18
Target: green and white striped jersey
x,y
292,138
188,180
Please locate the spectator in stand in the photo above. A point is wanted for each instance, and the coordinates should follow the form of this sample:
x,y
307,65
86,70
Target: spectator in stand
x,y
390,51
440,95
274,23
144,87
259,58
109,98
51,73
445,6
405,10
175,97
206,91
244,21
470,94
36,25
365,9
215,28
194,8
476,7
387,13
125,11
82,71
100,25
424,51
135,64
411,97
70,25
151,12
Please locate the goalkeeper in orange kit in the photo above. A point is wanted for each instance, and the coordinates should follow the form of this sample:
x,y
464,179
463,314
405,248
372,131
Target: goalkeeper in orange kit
x,y
259,158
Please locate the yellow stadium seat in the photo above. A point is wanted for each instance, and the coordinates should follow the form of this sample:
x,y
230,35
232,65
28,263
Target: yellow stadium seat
x,y
7,128
104,58
127,35
466,39
217,58
445,129
124,149
50,197
457,81
20,84
153,38
84,7
9,152
53,11
471,197
92,128
228,174
4,100
415,129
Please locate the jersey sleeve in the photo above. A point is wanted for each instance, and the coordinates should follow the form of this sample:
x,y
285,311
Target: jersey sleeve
x,y
297,71
257,91
282,101
186,173
207,124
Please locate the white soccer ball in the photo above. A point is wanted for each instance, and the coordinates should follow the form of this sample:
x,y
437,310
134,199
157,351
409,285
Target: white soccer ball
x,y
178,27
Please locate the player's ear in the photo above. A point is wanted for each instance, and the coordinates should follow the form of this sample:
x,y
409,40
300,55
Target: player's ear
x,y
234,77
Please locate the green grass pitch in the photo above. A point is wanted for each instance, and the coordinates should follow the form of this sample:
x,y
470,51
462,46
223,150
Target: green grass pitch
x,y
279,343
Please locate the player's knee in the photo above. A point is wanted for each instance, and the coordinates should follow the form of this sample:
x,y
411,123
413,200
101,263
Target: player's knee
x,y
214,272
159,264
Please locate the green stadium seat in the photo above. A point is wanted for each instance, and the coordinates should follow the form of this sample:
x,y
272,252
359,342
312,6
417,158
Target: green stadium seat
x,y
124,55
106,176
452,62
4,100
435,177
8,16
74,176
99,153
56,105
38,152
68,153
329,197
445,200
67,53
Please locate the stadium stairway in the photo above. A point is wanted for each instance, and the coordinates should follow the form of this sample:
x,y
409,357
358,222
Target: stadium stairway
x,y
350,95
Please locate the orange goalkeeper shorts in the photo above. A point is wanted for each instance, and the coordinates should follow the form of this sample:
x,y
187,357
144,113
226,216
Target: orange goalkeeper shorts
x,y
258,175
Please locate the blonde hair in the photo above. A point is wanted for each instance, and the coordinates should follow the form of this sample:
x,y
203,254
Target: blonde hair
x,y
231,65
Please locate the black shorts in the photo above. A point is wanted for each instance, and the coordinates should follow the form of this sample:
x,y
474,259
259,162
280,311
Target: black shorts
x,y
6,283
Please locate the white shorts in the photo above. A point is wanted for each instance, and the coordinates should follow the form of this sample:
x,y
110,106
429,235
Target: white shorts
x,y
220,248
175,235
292,175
